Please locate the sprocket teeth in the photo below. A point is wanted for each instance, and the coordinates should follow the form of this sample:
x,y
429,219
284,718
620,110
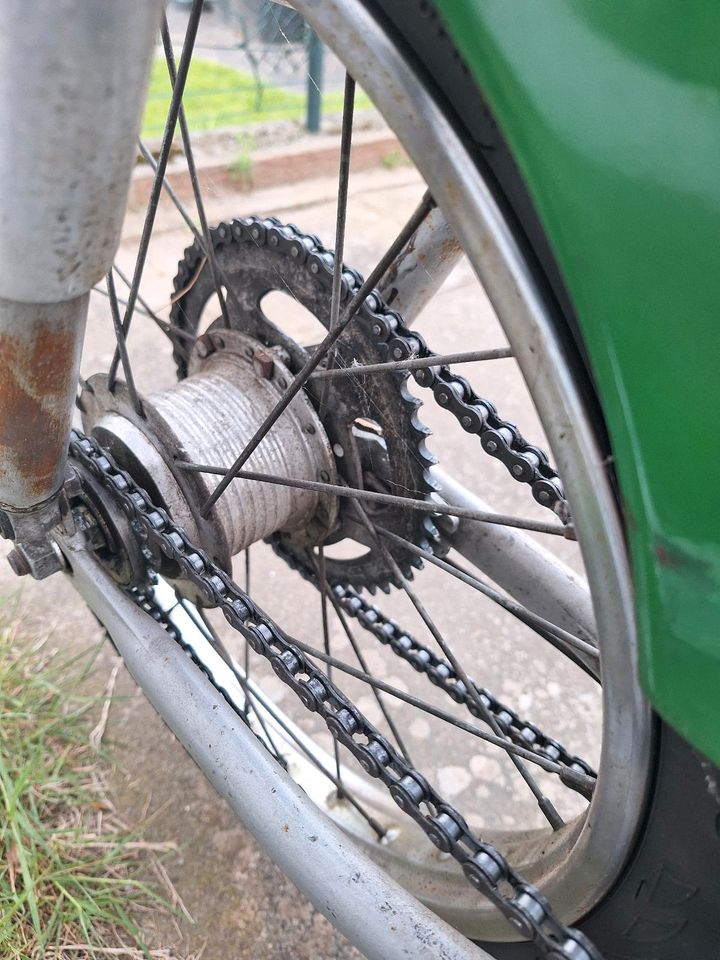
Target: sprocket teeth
x,y
374,321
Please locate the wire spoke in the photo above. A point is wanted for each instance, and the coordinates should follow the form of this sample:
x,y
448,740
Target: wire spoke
x,y
408,503
340,613
122,346
572,778
320,562
346,795
544,803
255,696
340,218
548,630
332,337
414,363
175,102
192,170
247,651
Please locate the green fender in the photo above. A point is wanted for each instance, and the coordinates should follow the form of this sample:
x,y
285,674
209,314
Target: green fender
x,y
612,110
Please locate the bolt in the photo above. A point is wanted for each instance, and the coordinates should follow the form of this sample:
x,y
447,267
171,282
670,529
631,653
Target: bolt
x,y
294,251
443,398
338,450
18,563
466,422
517,470
314,267
397,353
376,329
544,496
204,346
491,446
255,233
263,364
273,240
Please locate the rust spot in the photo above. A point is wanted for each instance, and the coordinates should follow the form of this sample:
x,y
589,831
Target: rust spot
x,y
667,558
37,380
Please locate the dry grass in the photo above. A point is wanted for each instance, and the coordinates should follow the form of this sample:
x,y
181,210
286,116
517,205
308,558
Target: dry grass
x,y
73,876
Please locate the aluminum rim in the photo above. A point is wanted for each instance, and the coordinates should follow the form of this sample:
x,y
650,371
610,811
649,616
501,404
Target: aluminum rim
x,y
577,869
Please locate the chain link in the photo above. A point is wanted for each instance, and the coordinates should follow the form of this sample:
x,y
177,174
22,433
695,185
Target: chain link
x,y
483,865
443,675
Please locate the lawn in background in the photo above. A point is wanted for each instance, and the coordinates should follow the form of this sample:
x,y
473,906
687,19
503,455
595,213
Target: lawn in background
x,y
219,96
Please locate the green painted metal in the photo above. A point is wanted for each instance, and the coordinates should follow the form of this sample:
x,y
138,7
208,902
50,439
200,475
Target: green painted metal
x,y
613,113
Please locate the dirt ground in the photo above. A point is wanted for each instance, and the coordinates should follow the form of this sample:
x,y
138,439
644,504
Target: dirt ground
x,y
242,906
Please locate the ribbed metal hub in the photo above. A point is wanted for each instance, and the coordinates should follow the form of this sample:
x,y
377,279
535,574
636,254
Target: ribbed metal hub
x,y
208,418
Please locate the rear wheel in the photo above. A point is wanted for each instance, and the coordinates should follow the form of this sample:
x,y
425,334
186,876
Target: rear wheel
x,y
342,484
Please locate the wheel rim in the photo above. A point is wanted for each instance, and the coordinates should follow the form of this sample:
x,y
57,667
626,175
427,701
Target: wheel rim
x,y
577,868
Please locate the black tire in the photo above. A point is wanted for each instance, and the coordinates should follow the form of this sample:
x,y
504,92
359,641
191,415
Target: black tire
x,y
666,904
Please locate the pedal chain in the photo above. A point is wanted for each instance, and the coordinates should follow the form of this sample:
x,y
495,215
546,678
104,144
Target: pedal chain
x,y
483,865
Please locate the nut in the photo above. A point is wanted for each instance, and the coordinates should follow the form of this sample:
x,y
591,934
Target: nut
x,y
18,562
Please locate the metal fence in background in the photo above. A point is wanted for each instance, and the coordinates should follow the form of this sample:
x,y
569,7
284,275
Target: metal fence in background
x,y
255,62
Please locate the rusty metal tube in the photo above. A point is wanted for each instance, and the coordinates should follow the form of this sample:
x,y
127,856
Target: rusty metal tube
x,y
73,75
40,346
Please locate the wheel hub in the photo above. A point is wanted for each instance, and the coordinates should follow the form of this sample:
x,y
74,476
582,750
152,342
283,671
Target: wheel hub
x,y
208,418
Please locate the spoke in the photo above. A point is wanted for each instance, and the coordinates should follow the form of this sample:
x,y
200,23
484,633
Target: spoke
x,y
175,102
320,566
247,591
571,778
340,613
414,363
549,631
341,217
408,503
142,307
215,640
544,803
346,795
122,346
332,337
192,170
256,696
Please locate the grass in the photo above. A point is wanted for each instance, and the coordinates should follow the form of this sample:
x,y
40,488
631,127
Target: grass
x,y
219,96
71,873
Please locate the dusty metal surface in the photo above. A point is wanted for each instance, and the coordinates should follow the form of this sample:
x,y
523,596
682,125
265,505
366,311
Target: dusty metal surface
x,y
420,270
40,346
73,75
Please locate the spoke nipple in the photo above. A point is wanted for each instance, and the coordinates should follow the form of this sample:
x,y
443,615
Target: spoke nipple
x,y
263,365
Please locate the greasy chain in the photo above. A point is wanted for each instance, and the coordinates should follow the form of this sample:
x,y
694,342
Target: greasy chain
x,y
483,865
499,438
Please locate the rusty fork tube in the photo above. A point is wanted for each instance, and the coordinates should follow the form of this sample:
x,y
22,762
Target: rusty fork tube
x,y
73,76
